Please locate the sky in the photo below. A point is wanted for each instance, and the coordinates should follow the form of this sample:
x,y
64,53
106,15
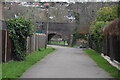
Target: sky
x,y
67,0
79,0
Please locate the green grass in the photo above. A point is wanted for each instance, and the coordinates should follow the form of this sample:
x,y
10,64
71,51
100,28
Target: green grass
x,y
103,63
57,42
14,69
73,46
0,71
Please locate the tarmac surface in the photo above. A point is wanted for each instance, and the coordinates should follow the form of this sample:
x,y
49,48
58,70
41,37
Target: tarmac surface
x,y
66,62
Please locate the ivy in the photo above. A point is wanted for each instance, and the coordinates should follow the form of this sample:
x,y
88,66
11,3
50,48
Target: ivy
x,y
96,35
19,29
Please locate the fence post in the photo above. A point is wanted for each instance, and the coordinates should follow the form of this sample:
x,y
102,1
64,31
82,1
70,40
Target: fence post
x,y
27,45
0,45
32,43
39,41
0,34
111,48
5,45
36,42
119,49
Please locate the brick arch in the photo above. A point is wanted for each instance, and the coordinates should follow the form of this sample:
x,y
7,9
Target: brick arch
x,y
50,35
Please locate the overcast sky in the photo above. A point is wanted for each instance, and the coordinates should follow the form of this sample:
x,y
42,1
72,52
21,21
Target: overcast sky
x,y
78,0
66,0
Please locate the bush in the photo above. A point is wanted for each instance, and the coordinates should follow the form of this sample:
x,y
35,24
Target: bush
x,y
77,35
96,35
108,13
105,15
19,29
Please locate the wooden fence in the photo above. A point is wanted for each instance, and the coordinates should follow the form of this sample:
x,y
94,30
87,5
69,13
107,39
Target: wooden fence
x,y
6,46
34,42
112,40
112,47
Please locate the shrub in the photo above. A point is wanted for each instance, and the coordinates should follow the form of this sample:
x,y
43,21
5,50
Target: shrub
x,y
108,13
77,35
96,35
19,29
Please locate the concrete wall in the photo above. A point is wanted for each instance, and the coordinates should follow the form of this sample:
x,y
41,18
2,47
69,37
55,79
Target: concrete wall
x,y
35,42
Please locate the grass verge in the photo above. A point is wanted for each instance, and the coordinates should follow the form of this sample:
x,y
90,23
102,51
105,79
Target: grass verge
x,y
74,47
0,71
58,42
103,63
14,69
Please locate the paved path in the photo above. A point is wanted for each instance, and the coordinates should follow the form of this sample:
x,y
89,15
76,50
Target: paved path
x,y
66,62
